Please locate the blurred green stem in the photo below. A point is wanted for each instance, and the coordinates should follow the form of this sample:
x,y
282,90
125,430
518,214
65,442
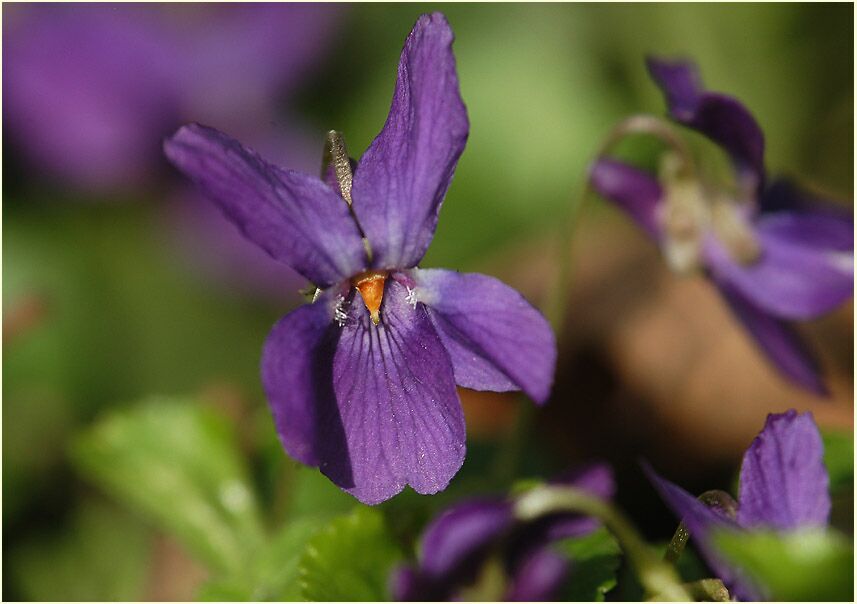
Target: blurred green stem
x,y
659,579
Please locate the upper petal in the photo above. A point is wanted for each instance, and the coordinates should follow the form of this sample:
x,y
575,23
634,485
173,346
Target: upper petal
x,y
783,478
496,339
297,370
396,394
402,178
294,217
632,189
721,118
778,340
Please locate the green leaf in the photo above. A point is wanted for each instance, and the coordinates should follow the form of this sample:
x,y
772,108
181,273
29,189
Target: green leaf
x,y
103,555
595,562
839,458
350,559
815,565
178,463
273,573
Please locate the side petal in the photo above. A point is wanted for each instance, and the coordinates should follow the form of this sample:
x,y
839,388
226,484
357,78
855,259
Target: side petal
x,y
721,118
778,340
783,478
794,278
396,394
784,195
633,190
454,543
700,520
496,339
403,176
294,217
297,368
822,230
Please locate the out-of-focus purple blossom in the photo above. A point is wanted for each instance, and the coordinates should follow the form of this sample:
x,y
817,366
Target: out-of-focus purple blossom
x,y
477,549
774,257
783,487
362,381
90,90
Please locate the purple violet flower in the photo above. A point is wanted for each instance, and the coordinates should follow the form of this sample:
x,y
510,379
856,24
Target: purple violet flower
x,y
477,549
774,257
90,89
362,380
783,487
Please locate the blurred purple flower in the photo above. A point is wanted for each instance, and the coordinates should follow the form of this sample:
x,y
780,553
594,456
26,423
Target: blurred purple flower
x,y
783,487
479,546
91,90
774,255
366,391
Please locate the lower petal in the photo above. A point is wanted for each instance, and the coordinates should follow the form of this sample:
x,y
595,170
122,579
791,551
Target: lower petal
x,y
795,277
497,340
778,340
396,395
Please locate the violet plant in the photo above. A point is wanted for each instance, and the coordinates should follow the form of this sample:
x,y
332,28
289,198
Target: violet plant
x,y
480,550
362,380
783,488
775,254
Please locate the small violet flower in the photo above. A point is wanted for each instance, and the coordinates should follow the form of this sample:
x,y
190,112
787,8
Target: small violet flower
x,y
362,381
783,487
478,550
774,256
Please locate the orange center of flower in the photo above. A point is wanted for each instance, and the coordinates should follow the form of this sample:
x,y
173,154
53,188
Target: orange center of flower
x,y
371,287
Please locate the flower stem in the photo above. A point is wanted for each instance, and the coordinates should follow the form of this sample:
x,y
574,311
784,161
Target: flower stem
x,y
659,579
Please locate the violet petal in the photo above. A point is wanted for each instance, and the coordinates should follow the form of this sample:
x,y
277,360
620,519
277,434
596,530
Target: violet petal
x,y
778,340
538,577
721,118
497,340
784,194
455,541
403,176
813,230
793,278
783,478
395,389
294,217
87,92
633,190
297,362
700,520
596,479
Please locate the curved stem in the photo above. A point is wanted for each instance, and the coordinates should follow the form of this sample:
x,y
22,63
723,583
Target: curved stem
x,y
713,499
658,578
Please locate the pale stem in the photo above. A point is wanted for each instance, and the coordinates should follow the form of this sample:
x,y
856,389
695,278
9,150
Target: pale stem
x,y
713,499
659,579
